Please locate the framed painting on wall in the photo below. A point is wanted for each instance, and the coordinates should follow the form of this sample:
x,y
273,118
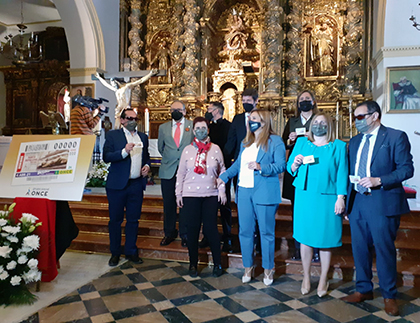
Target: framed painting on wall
x,y
403,89
82,89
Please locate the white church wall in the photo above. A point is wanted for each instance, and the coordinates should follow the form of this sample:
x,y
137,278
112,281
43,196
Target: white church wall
x,y
401,48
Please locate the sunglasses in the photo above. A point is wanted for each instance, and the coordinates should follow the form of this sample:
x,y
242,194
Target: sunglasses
x,y
362,116
131,118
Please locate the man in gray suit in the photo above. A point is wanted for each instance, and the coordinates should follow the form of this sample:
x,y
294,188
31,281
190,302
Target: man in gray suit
x,y
174,136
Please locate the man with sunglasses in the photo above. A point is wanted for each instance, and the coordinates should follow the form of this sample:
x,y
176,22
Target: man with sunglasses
x,y
380,160
128,152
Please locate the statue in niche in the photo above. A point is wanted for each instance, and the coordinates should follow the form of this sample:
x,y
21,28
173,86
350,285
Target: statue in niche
x,y
236,38
123,92
322,49
162,57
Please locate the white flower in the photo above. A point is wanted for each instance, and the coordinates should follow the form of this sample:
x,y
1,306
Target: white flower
x,y
11,265
27,217
1,269
11,229
22,259
31,242
12,239
33,263
5,251
3,222
4,234
32,275
15,280
4,275
3,212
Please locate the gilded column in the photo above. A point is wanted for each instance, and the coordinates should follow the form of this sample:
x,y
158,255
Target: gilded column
x,y
134,36
189,39
272,47
177,47
293,56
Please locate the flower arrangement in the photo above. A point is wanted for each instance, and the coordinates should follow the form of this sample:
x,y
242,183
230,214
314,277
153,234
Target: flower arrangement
x,y
18,248
98,175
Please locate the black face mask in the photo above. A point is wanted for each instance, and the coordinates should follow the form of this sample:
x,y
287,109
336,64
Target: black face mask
x,y
248,107
176,115
209,116
305,106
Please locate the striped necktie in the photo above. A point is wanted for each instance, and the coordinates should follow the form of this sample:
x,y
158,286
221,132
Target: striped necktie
x,y
363,164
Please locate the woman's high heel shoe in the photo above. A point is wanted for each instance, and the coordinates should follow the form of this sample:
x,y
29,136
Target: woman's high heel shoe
x,y
322,293
268,276
304,290
246,278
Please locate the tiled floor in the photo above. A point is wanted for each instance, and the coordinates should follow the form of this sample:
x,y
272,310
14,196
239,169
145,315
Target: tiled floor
x,y
162,291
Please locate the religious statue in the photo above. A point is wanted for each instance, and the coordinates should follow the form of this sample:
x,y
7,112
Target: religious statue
x,y
123,92
162,57
322,49
235,38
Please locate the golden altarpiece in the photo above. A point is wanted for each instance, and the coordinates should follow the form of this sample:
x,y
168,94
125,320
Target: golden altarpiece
x,y
213,49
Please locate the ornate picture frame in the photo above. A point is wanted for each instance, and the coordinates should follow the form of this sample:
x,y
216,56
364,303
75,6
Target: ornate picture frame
x,y
403,89
83,89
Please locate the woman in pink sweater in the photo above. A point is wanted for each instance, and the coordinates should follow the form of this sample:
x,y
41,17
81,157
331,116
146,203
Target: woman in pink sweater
x,y
198,194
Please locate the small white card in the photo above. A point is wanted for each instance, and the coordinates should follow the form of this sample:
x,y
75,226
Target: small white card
x,y
308,159
354,179
300,131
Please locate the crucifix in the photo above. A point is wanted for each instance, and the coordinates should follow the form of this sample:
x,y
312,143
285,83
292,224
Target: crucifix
x,y
123,90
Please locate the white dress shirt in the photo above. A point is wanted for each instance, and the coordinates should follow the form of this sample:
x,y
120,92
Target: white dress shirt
x,y
246,175
372,141
135,154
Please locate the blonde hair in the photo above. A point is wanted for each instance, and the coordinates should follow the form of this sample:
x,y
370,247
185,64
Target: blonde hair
x,y
330,127
314,110
266,130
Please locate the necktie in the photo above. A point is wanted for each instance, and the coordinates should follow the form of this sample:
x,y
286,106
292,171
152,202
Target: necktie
x,y
177,135
363,163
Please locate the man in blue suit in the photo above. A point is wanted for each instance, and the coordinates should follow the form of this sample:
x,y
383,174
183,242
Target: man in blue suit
x,y
380,160
128,152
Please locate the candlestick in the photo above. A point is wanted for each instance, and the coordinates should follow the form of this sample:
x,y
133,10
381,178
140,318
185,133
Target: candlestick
x,y
146,121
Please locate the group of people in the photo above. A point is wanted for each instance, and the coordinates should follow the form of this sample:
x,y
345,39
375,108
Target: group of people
x,y
326,180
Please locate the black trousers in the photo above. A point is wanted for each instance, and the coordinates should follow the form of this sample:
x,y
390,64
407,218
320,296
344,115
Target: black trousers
x,y
169,209
226,214
199,210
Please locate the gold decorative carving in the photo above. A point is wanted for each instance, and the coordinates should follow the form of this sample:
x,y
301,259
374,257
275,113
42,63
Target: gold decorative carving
x,y
134,36
159,95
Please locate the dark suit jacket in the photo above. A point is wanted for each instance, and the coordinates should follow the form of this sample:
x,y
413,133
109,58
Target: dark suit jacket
x,y
218,132
236,134
119,171
393,163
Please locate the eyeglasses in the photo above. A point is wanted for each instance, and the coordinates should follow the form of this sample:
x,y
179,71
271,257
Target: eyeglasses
x,y
362,116
131,118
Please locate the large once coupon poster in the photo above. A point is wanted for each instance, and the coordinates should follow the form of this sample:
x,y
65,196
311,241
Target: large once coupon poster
x,y
42,162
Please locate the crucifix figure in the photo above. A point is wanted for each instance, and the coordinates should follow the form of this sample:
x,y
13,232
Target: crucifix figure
x,y
123,92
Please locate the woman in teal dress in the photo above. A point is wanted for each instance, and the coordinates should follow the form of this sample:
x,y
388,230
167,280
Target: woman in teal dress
x,y
319,165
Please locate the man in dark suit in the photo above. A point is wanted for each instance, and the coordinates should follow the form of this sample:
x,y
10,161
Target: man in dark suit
x,y
128,152
380,160
237,130
173,137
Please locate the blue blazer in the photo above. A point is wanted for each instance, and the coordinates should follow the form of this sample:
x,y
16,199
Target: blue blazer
x,y
266,181
393,163
119,171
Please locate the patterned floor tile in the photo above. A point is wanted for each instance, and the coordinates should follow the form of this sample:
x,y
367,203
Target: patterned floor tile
x,y
207,310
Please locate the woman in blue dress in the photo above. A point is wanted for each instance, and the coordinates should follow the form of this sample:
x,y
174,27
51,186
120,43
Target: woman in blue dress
x,y
319,165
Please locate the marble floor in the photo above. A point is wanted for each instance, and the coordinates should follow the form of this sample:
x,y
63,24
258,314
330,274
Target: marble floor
x,y
162,291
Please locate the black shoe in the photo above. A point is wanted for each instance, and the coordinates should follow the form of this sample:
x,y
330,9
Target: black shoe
x,y
113,261
184,242
135,259
217,271
227,247
192,271
296,255
204,243
315,257
166,240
